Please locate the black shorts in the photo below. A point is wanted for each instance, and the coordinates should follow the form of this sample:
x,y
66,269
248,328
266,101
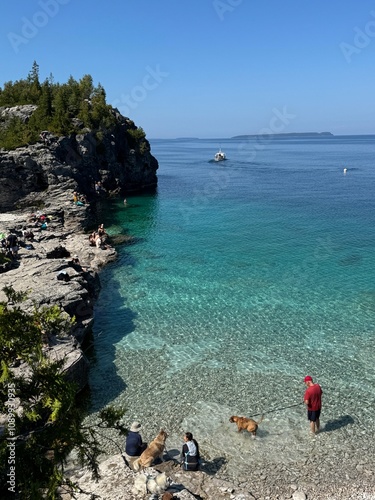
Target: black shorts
x,y
313,415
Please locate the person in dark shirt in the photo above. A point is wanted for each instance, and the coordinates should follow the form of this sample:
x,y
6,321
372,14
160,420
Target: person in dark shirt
x,y
12,244
134,445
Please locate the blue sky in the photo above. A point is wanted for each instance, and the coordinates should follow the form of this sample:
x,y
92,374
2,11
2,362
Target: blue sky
x,y
206,68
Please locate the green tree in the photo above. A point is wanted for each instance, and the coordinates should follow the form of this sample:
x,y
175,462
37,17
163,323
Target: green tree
x,y
7,97
32,90
16,133
58,105
41,118
44,422
61,123
33,76
74,97
86,87
137,139
101,117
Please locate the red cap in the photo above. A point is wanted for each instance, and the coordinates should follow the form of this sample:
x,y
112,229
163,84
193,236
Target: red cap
x,y
308,379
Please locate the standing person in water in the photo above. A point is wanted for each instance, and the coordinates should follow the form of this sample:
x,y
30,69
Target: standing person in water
x,y
313,401
190,453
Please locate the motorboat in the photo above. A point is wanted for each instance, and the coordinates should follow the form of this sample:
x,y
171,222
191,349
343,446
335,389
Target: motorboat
x,y
220,156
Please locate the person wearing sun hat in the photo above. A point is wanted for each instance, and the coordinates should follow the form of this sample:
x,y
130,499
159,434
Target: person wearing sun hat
x,y
134,445
313,401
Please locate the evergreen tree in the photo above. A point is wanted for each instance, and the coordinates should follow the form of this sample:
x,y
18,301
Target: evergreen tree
x,y
58,105
6,94
86,87
61,122
74,97
15,133
33,76
100,111
45,101
33,88
41,118
44,423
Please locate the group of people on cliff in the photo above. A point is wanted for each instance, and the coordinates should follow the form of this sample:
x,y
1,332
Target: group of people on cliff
x,y
99,238
39,220
81,199
97,190
11,243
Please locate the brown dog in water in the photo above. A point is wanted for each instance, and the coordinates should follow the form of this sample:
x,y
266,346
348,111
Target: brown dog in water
x,y
246,424
154,450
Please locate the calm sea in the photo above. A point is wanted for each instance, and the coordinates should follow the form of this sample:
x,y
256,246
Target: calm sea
x,y
245,276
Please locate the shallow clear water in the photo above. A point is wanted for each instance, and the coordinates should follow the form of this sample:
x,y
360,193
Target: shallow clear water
x,y
247,275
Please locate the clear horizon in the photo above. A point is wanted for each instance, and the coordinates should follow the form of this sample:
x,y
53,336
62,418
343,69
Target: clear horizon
x,y
206,68
255,135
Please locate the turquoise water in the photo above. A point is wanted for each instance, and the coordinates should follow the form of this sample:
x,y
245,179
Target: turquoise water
x,y
245,276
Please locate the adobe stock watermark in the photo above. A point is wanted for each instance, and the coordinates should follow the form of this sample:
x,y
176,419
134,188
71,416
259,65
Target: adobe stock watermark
x,y
220,179
31,26
11,445
277,124
152,79
362,39
222,7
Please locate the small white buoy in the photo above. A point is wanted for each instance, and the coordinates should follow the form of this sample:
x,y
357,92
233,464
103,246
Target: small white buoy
x,y
345,170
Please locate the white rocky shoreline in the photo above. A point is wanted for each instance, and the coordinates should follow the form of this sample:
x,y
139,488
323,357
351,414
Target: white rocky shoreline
x,y
117,482
318,476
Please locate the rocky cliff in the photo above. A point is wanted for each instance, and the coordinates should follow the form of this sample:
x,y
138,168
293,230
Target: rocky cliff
x,y
41,178
119,158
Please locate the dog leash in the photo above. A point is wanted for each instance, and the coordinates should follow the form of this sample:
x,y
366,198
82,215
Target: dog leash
x,y
278,409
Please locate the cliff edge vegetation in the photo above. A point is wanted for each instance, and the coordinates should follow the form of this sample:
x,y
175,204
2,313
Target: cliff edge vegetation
x,y
62,109
42,421
66,136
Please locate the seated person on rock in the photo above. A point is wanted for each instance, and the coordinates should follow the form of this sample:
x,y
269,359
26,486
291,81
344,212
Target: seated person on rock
x,y
102,232
134,446
75,263
92,239
98,241
190,457
27,233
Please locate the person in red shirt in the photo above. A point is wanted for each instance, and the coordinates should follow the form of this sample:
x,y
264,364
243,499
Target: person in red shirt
x,y
313,401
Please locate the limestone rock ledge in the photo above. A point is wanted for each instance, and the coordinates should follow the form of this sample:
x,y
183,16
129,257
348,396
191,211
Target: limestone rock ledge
x,y
117,482
37,273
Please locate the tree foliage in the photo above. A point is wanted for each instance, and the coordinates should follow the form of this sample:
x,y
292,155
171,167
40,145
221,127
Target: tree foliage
x,y
57,105
44,422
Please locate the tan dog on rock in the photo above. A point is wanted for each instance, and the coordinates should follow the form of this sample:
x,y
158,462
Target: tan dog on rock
x,y
246,424
154,450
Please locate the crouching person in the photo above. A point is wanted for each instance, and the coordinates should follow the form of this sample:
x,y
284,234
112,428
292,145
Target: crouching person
x,y
190,457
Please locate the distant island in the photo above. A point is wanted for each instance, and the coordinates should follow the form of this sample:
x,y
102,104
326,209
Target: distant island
x,y
286,135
